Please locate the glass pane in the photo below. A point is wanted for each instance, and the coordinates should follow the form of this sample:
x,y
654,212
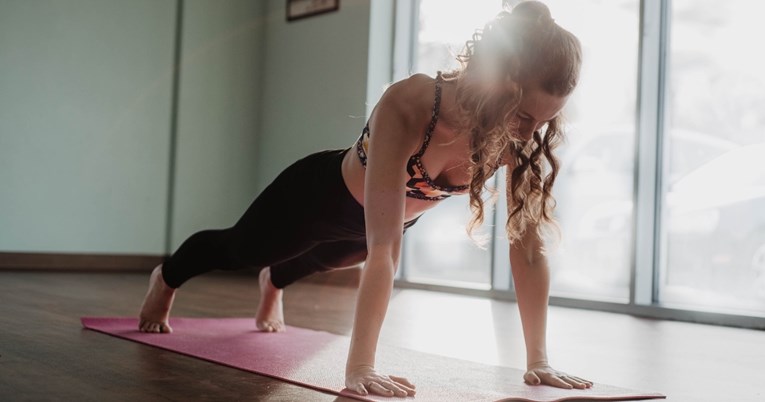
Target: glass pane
x,y
444,26
595,188
713,226
438,249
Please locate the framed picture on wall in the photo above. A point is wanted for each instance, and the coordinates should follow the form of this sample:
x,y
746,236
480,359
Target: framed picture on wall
x,y
297,9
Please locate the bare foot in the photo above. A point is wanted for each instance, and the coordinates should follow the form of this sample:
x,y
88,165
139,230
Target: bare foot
x,y
270,317
155,310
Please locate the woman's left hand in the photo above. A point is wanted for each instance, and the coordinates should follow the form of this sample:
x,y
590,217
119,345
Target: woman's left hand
x,y
544,374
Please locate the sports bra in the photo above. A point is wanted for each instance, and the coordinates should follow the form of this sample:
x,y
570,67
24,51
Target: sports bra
x,y
419,185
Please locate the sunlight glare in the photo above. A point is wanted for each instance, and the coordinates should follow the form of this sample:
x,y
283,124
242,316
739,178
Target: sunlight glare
x,y
459,327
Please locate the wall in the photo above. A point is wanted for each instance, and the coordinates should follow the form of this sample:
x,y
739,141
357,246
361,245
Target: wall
x,y
88,158
218,114
85,100
315,84
86,92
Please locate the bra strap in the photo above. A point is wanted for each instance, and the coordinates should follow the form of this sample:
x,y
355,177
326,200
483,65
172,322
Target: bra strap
x,y
433,118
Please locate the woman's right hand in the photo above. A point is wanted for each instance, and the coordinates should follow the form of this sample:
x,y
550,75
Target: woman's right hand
x,y
365,380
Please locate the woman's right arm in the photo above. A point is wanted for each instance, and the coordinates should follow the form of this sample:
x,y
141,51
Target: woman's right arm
x,y
399,116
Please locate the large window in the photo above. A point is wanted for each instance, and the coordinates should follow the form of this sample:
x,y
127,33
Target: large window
x,y
713,228
595,188
661,197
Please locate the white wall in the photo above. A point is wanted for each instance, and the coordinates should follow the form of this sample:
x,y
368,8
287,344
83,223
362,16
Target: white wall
x,y
85,122
315,84
216,168
86,112
85,99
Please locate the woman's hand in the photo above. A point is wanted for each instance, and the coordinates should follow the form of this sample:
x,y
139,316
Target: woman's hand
x,y
365,380
542,373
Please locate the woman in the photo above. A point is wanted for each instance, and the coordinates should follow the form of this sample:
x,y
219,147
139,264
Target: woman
x,y
427,139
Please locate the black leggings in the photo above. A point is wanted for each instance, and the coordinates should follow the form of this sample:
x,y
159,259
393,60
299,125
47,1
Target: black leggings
x,y
305,221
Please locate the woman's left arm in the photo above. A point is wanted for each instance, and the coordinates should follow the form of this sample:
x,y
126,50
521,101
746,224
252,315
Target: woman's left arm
x,y
531,275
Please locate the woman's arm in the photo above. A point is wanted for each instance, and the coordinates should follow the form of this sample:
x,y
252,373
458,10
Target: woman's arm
x,y
531,275
395,123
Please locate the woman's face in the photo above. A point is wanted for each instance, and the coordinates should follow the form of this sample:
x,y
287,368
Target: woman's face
x,y
537,108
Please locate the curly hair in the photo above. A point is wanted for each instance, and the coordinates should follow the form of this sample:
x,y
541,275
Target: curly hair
x,y
517,50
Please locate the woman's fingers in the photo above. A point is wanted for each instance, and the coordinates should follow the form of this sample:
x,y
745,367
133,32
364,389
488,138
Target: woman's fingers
x,y
558,382
402,380
370,382
404,384
379,389
408,391
398,389
573,381
555,378
587,382
387,388
555,381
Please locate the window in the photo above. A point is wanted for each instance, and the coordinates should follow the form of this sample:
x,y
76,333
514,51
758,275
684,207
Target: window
x,y
713,232
595,189
661,198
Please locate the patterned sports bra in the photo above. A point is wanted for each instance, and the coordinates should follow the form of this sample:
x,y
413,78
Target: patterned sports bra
x,y
419,185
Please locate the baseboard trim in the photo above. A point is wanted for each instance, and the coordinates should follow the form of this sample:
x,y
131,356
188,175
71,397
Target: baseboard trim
x,y
78,262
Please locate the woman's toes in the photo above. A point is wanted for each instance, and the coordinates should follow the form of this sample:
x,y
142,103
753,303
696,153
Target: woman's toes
x,y
271,327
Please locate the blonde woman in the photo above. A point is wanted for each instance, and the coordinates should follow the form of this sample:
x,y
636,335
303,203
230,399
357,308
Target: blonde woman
x,y
427,139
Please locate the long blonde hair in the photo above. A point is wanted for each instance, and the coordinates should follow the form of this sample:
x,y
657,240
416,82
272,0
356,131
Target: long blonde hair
x,y
522,48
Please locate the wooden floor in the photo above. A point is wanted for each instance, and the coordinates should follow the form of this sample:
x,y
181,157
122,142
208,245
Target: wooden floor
x,y
45,355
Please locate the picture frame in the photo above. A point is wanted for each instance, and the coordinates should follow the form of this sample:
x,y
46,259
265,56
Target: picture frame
x,y
299,9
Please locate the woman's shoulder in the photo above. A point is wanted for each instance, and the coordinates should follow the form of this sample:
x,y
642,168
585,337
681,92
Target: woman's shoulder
x,y
419,79
411,97
412,89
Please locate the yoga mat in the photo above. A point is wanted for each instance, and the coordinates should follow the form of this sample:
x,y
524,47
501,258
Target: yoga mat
x,y
316,360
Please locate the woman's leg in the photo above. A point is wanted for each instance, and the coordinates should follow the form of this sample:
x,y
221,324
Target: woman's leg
x,y
280,224
322,258
291,216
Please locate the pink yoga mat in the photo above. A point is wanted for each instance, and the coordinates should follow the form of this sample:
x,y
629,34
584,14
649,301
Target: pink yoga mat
x,y
316,360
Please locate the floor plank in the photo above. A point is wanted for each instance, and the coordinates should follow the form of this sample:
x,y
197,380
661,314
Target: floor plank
x,y
45,355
